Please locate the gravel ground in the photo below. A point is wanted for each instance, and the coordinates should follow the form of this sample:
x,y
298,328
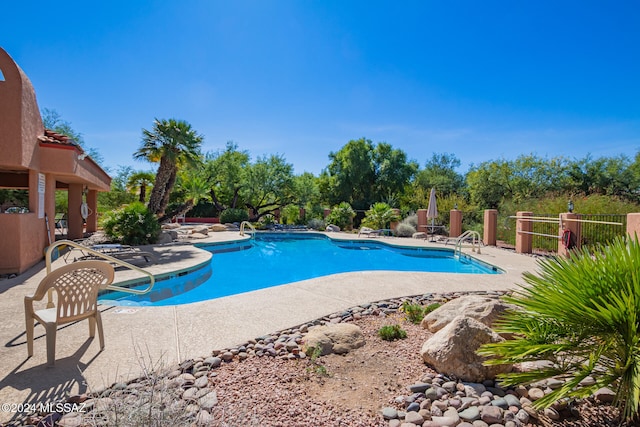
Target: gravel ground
x,y
235,388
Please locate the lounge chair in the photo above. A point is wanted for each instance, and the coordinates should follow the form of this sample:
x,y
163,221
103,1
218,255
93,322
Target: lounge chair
x,y
369,232
122,252
76,287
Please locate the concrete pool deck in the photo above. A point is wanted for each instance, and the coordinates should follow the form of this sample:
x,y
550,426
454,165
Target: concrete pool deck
x,y
138,338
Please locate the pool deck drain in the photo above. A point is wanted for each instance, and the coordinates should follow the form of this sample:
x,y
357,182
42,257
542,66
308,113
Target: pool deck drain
x,y
142,338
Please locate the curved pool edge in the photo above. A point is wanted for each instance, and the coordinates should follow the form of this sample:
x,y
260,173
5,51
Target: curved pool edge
x,y
172,334
234,243
347,237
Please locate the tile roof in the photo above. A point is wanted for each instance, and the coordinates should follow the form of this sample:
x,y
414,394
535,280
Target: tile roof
x,y
52,137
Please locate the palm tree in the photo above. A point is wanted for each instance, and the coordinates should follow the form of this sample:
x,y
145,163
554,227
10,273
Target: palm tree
x,y
139,181
581,316
193,186
172,143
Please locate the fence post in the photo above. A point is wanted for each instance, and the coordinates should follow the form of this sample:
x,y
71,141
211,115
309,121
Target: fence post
x,y
570,233
633,225
490,227
524,240
455,223
394,224
422,220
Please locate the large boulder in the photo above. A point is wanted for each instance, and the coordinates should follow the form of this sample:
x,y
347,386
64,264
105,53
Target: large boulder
x,y
332,228
201,229
164,237
218,227
337,338
452,350
482,308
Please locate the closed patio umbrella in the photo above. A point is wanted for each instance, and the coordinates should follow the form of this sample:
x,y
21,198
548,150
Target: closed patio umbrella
x,y
432,209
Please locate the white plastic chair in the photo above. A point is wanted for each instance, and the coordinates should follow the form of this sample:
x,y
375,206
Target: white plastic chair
x,y
76,286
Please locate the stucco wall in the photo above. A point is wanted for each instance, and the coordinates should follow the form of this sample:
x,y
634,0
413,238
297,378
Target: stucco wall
x,y
26,233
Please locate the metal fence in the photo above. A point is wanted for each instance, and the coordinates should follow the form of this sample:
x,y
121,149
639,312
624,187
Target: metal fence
x,y
594,233
546,243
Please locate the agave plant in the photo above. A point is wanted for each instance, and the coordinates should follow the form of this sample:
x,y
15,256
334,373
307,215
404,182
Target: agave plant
x,y
580,315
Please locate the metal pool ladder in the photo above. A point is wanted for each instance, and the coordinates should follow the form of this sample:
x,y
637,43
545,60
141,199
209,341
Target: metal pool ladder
x,y
243,224
475,240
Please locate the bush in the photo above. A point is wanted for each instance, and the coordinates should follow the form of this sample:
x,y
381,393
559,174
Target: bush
x,y
342,216
405,230
131,225
392,333
291,214
233,215
414,312
316,224
379,216
580,315
412,220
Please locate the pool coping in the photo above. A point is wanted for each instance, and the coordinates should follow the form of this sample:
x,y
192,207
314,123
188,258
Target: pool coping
x,y
139,337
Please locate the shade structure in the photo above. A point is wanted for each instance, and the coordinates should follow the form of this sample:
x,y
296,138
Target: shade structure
x,y
432,209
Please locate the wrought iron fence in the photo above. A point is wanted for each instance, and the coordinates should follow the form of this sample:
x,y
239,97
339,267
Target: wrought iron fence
x,y
551,228
599,233
593,233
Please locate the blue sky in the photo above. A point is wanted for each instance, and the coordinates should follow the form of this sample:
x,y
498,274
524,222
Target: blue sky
x,y
482,80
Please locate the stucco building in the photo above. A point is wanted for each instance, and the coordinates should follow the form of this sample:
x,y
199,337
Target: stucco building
x,y
40,161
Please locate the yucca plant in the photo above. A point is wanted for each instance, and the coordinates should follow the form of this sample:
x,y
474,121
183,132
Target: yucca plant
x,y
581,314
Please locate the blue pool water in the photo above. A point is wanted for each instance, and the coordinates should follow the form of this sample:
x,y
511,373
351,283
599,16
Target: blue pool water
x,y
278,258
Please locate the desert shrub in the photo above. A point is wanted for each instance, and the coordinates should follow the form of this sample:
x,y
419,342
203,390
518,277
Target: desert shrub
x,y
341,215
405,230
416,312
412,220
379,216
413,312
580,315
233,215
429,308
392,333
316,224
132,224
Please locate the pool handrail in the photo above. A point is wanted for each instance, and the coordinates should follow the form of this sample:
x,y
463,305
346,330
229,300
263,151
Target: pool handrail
x,y
475,240
94,253
242,227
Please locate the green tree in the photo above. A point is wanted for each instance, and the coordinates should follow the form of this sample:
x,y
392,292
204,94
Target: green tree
x,y
612,176
192,186
581,316
526,177
268,186
350,175
440,173
226,171
138,182
172,143
392,172
118,196
362,173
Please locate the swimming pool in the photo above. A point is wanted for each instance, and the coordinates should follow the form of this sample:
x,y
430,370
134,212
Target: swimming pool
x,y
273,259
